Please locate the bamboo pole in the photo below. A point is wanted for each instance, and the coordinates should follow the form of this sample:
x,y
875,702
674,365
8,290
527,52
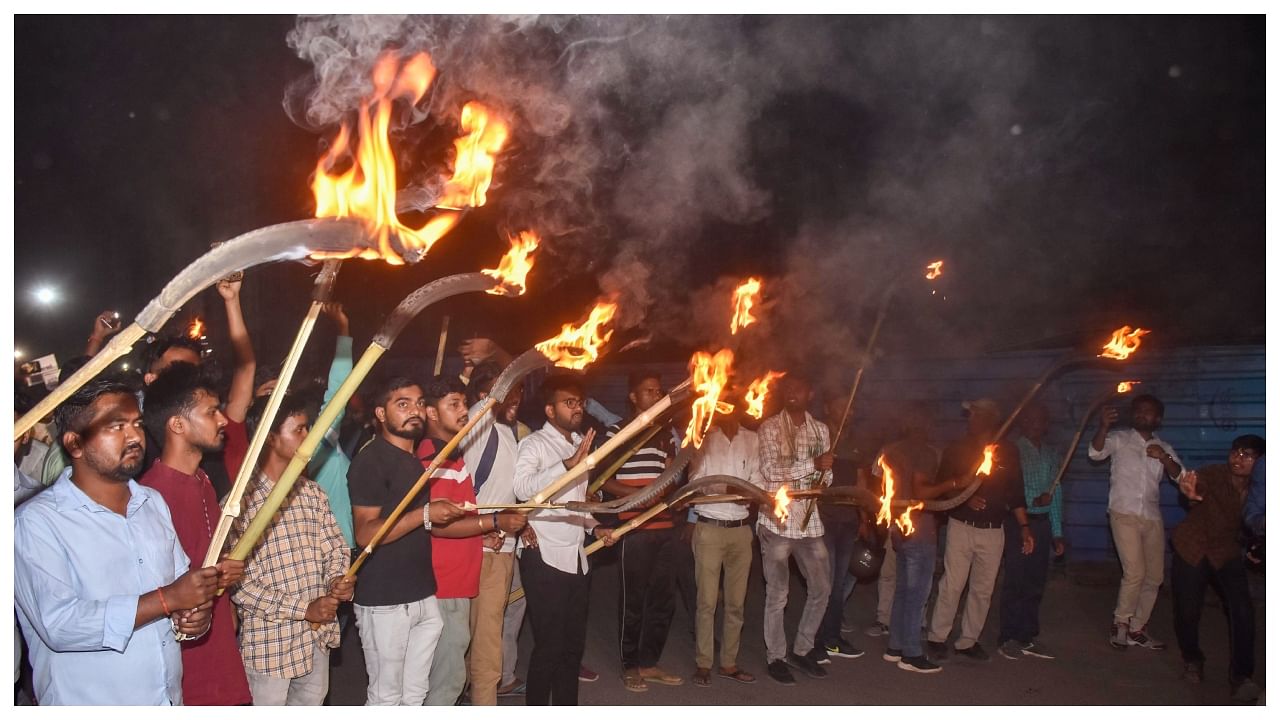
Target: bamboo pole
x,y
617,465
444,337
1075,442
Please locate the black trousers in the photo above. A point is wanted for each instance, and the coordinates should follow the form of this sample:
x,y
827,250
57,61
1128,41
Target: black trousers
x,y
1024,579
647,602
1189,584
558,613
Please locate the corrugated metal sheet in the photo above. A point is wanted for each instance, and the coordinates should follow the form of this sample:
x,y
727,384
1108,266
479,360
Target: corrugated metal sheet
x,y
1211,395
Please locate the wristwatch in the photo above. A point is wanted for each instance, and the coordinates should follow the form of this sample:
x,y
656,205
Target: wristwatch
x,y
426,516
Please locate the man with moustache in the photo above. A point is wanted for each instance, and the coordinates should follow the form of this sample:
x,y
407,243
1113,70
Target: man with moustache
x,y
395,603
101,582
183,412
555,570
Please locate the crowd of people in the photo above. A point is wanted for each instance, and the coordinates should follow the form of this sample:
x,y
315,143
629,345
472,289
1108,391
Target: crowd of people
x,y
118,496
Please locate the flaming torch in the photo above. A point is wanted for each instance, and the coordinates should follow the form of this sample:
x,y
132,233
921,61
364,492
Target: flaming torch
x,y
1124,342
577,347
782,505
745,297
195,330
710,375
516,264
758,392
933,270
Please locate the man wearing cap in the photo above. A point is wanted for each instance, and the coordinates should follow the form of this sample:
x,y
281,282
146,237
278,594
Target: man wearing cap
x,y
975,537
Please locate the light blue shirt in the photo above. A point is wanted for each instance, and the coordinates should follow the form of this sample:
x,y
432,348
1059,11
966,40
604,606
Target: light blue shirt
x,y
330,464
79,569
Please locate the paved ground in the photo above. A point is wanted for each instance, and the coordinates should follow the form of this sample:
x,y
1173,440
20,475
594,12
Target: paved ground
x,y
1075,621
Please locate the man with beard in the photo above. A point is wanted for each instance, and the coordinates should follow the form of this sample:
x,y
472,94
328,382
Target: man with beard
x,y
100,579
182,410
555,569
795,451
395,603
456,548
1139,461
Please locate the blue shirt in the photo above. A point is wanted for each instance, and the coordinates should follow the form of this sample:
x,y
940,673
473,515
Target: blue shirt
x,y
79,569
1255,505
1039,467
329,466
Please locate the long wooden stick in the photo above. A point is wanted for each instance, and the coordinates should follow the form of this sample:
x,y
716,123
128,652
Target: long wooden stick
x,y
116,348
1075,442
622,460
444,337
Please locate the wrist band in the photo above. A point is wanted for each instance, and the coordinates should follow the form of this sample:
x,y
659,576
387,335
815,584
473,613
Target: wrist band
x,y
426,516
163,604
495,521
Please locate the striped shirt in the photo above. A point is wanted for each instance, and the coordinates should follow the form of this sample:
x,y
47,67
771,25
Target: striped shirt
x,y
1039,466
787,452
455,561
642,469
300,552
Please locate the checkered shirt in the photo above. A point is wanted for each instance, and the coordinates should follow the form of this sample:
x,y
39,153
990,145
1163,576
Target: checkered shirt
x,y
786,458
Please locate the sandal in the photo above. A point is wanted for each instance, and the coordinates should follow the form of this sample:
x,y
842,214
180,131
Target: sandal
x,y
633,682
702,678
738,675
662,677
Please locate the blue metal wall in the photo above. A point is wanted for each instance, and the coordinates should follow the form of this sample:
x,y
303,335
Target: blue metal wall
x,y
1211,395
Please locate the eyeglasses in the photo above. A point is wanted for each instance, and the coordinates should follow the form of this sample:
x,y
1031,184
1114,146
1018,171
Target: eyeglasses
x,y
1244,453
572,403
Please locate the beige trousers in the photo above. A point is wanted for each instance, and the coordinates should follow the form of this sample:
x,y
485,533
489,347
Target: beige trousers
x,y
973,556
484,661
1140,545
714,549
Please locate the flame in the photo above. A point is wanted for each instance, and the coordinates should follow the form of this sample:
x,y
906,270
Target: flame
x,y
196,329
933,270
886,501
988,459
1124,342
757,392
781,505
1126,386
710,375
515,265
474,157
745,297
577,347
904,520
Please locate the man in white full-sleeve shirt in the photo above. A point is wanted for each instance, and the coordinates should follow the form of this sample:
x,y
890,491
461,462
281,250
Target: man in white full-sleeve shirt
x,y
1139,461
554,570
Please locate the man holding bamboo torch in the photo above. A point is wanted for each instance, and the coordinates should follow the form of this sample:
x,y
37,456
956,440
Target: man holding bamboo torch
x,y
395,603
555,571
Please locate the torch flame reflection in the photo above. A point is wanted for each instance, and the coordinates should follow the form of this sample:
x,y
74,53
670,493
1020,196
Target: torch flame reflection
x,y
515,265
1124,342
781,504
988,459
745,297
758,392
710,375
1126,386
933,270
577,347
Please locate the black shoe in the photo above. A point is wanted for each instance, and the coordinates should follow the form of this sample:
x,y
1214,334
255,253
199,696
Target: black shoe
x,y
779,671
819,655
975,653
919,664
892,655
939,651
806,664
842,648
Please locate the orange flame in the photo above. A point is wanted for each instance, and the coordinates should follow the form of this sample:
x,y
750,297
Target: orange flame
x,y
757,392
577,347
781,504
886,501
745,297
710,375
474,157
1124,342
904,520
196,329
515,265
988,459
1126,386
933,270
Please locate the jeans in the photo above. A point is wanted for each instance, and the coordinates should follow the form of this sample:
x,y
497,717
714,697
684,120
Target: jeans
x,y
916,554
399,642
815,565
449,665
839,537
558,612
647,602
1189,583
308,689
1024,580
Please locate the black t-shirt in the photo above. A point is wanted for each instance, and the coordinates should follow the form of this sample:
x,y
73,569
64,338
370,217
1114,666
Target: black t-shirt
x,y
1002,490
397,572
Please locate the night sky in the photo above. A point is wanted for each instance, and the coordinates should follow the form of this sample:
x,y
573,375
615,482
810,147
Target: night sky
x,y
1077,174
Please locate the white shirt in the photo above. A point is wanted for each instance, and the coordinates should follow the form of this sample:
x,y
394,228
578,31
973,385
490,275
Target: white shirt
x,y
739,457
1135,478
499,488
540,462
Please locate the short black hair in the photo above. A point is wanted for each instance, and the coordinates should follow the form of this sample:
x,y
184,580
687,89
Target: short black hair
x,y
390,385
1250,442
560,381
73,414
1151,400
796,376
164,344
293,403
441,385
264,373
173,392
483,376
635,377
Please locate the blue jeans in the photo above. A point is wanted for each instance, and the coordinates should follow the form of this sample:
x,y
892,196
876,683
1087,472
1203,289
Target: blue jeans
x,y
916,555
839,537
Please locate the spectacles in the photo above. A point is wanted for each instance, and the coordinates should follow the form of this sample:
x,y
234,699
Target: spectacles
x,y
1244,453
572,403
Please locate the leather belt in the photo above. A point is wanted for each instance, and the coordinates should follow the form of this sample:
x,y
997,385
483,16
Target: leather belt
x,y
723,523
983,525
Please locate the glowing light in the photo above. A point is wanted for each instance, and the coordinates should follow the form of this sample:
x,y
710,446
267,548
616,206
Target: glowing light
x,y
47,295
745,296
710,375
988,459
577,347
1124,342
758,392
781,504
515,265
933,270
1127,386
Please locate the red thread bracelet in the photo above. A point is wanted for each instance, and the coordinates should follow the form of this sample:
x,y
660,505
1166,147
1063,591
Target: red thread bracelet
x,y
163,604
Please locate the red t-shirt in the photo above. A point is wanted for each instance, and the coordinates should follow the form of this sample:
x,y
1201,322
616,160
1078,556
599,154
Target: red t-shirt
x,y
212,670
234,450
456,561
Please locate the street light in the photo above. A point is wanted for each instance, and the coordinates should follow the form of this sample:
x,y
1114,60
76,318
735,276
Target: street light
x,y
46,295
17,354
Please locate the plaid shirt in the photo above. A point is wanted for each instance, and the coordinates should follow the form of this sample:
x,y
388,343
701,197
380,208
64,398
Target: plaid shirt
x,y
786,458
300,552
1039,466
